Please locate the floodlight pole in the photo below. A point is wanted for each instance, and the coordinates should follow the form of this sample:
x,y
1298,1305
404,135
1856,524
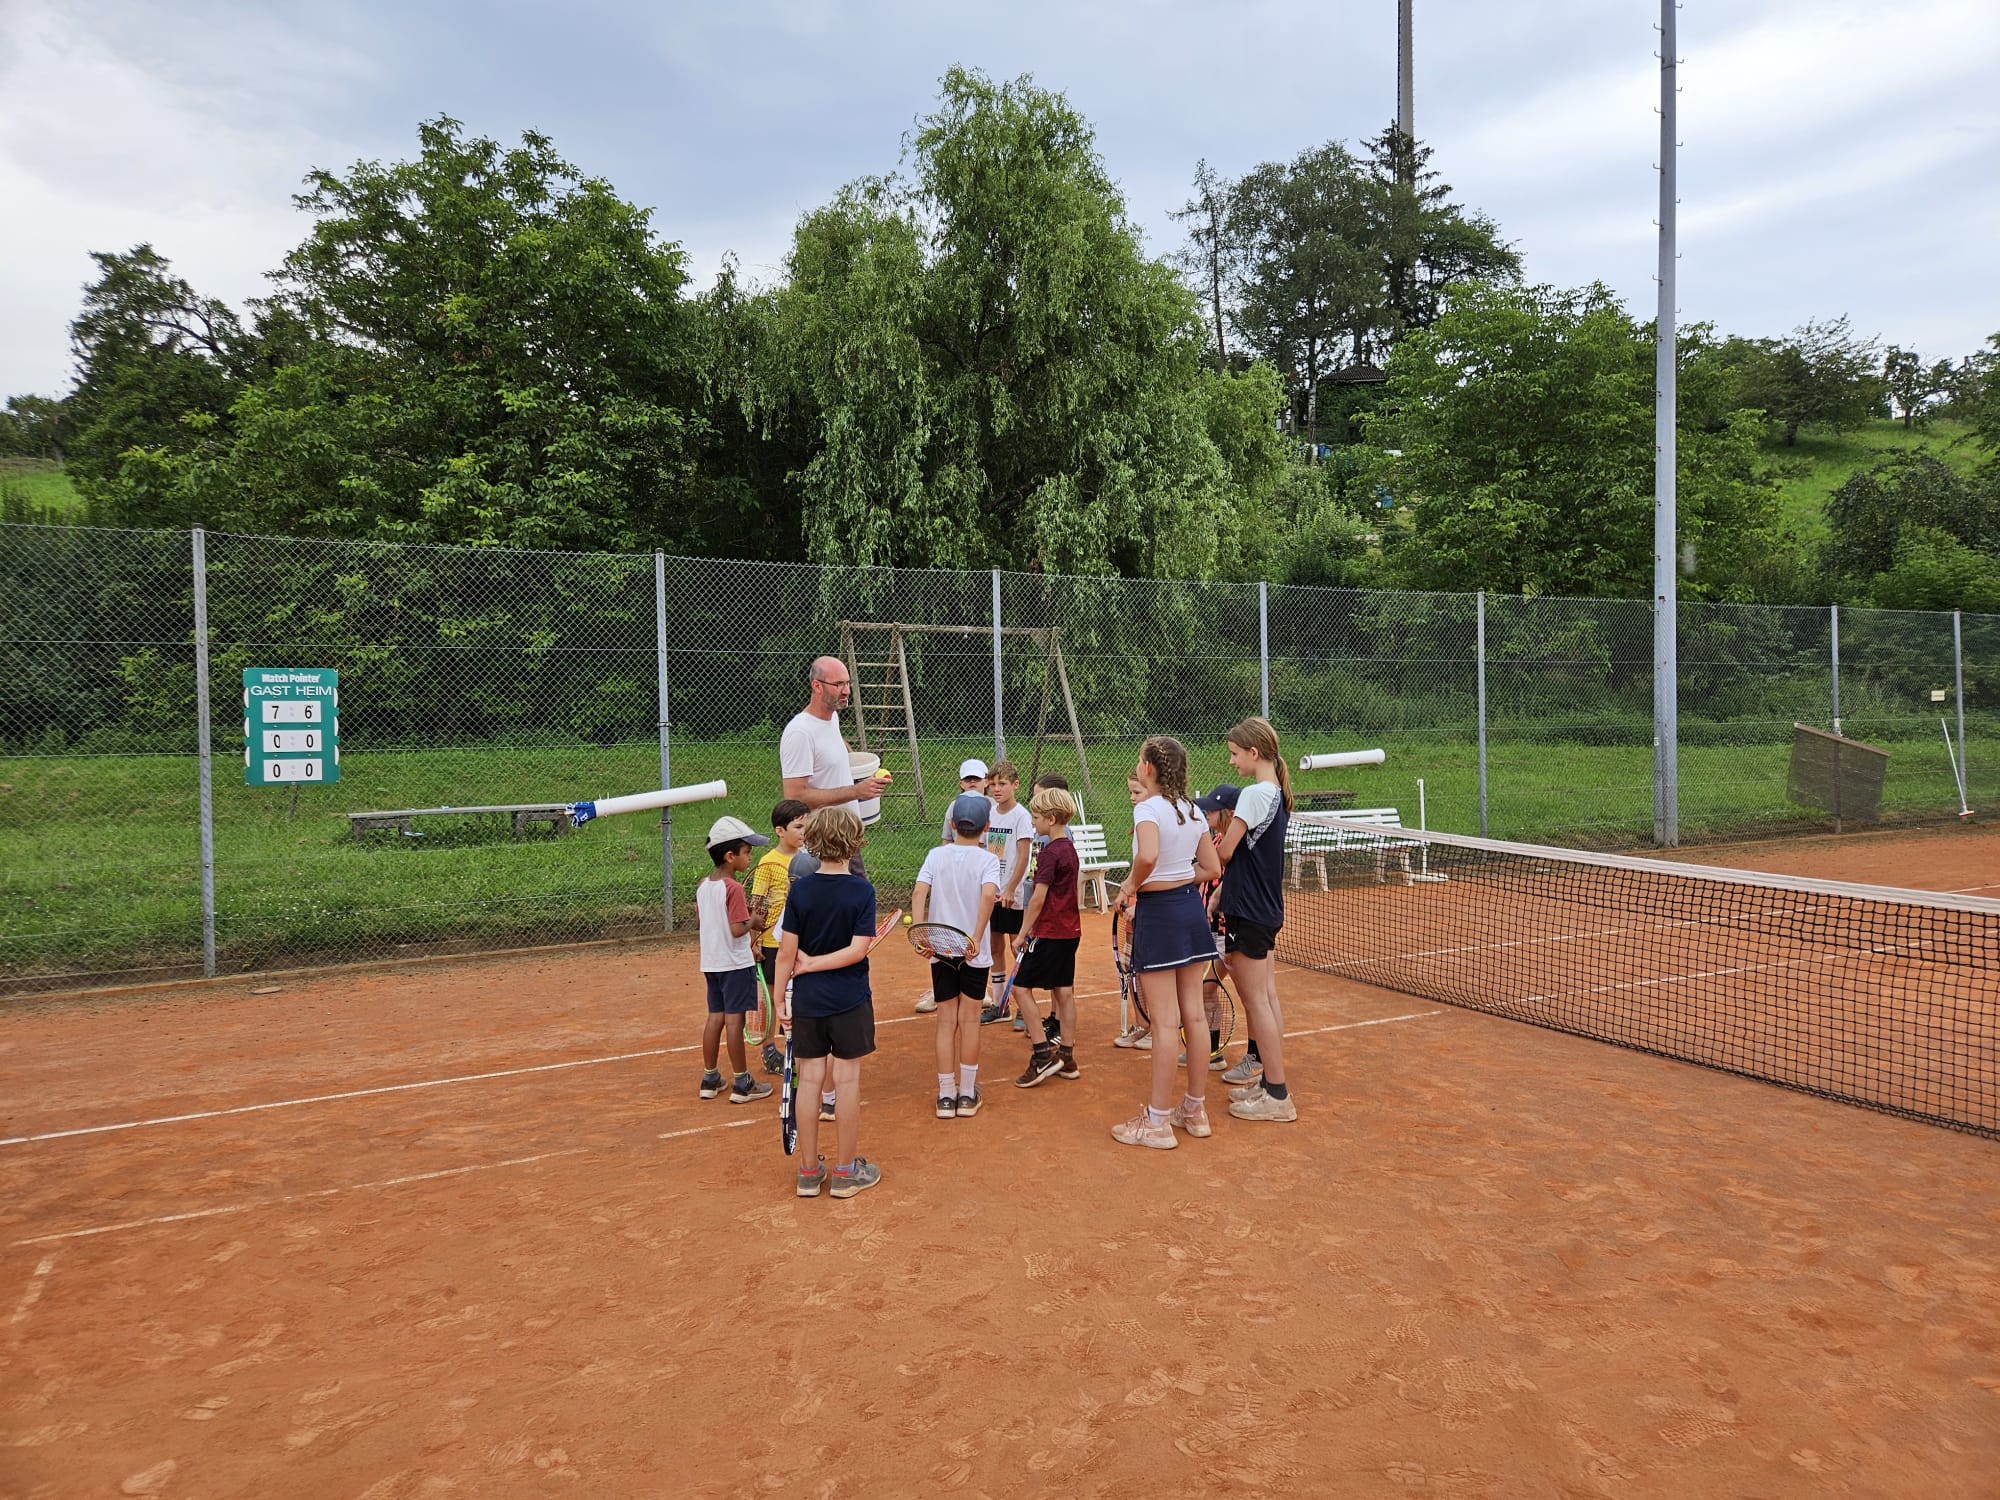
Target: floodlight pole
x,y
1666,704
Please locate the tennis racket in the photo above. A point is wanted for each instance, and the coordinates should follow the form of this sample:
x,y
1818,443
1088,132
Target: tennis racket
x,y
1025,945
1121,960
788,1096
941,941
1220,1003
767,1014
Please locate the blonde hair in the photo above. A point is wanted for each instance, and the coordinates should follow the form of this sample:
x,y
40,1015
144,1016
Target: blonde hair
x,y
833,833
1169,759
1260,739
1053,802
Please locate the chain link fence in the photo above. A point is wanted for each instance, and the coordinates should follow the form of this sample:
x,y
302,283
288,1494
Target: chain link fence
x,y
477,677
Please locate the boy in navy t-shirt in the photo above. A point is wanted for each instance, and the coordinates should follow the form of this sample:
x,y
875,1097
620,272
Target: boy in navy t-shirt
x,y
822,971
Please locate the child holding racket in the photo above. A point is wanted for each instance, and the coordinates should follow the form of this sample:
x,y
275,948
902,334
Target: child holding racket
x,y
768,884
822,971
1252,903
1010,834
726,962
1137,1035
952,905
1052,926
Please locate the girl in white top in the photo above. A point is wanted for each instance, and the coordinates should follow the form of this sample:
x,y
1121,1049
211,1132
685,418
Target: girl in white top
x,y
1171,941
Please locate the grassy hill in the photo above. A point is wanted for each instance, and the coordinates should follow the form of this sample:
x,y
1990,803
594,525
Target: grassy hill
x,y
1821,462
30,486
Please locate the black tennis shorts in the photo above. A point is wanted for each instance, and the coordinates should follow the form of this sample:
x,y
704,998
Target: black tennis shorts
x,y
951,982
732,992
1006,920
1050,964
849,1034
1251,939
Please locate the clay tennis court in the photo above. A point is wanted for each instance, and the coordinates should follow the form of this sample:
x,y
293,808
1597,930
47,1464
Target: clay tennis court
x,y
467,1229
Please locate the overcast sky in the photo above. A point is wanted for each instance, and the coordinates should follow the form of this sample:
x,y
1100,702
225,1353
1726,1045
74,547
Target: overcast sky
x,y
1837,157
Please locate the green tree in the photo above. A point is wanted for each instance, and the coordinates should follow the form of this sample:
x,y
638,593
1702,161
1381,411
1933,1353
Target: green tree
x,y
1426,243
1908,501
36,427
481,345
1209,252
1524,420
1911,385
1822,376
158,366
988,370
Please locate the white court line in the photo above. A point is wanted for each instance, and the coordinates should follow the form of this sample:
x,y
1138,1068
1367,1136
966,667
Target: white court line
x,y
674,1135
1415,1015
244,1208
34,1292
387,1088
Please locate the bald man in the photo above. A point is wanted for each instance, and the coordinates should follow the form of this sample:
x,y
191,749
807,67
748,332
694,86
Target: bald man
x,y
812,755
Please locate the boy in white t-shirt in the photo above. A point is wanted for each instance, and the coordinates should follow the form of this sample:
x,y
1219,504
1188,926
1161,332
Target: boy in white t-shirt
x,y
1011,836
726,960
958,886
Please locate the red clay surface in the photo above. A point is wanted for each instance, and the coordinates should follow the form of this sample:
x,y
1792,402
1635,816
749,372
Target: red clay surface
x,y
1487,1260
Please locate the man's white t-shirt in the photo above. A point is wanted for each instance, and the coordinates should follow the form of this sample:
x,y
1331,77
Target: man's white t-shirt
x,y
955,873
812,747
1178,839
1004,833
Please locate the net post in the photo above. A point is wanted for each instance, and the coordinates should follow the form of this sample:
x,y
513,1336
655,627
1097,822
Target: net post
x,y
1479,657
1833,618
1264,647
1958,685
999,719
204,749
1666,747
666,759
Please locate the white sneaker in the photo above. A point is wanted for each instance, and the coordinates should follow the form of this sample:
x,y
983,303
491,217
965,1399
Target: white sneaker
x,y
926,1003
1141,1131
1134,1038
1261,1106
1238,1095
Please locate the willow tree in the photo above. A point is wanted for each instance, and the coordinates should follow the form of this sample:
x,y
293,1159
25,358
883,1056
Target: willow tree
x,y
989,371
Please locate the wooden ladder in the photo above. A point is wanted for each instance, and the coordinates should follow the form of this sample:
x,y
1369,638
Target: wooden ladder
x,y
885,717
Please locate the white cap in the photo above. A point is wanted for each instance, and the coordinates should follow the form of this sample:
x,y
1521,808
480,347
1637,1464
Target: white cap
x,y
972,767
729,830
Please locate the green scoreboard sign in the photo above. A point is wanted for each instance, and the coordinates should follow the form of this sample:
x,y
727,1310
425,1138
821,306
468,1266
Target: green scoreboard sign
x,y
291,725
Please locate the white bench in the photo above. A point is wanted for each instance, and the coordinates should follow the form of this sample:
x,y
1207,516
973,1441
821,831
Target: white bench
x,y
1094,860
1308,842
558,815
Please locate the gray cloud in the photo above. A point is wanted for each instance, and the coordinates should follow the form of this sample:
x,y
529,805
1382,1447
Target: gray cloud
x,y
1838,156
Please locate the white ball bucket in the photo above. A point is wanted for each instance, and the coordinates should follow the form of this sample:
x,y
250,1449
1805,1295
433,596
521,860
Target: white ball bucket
x,y
864,768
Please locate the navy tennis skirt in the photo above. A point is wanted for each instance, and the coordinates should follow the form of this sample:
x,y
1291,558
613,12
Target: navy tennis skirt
x,y
1170,930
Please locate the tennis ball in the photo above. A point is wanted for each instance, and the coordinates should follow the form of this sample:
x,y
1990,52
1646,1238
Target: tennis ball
x,y
906,919
885,775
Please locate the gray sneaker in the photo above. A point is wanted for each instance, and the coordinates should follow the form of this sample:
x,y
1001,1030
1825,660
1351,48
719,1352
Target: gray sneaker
x,y
864,1174
1249,1070
812,1179
748,1090
1261,1106
711,1085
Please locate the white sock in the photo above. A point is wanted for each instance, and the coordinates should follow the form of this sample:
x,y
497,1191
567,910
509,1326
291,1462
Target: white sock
x,y
1158,1116
826,1096
967,1077
946,1089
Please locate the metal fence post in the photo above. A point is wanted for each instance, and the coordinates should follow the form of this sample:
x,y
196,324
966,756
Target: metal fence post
x,y
999,718
1958,683
1833,614
1264,646
1479,656
666,762
204,749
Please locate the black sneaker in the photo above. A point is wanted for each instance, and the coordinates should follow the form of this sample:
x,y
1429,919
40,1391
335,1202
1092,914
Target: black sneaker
x,y
1042,1064
774,1058
1066,1064
711,1085
969,1104
947,1106
749,1090
825,1112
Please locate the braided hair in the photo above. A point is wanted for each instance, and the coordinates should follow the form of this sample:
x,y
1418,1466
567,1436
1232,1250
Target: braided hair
x,y
1169,759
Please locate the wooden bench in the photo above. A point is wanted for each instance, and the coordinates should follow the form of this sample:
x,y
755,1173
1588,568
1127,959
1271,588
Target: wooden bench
x,y
1094,861
556,814
1308,842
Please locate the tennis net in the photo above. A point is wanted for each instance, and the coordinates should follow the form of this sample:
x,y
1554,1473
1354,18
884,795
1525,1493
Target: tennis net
x,y
1877,996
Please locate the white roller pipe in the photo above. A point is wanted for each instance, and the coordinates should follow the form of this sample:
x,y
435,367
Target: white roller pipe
x,y
1343,758
604,807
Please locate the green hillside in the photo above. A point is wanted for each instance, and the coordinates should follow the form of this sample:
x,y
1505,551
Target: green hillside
x,y
1813,470
30,486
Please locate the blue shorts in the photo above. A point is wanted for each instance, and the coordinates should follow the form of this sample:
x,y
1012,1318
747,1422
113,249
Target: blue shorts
x,y
1170,930
732,992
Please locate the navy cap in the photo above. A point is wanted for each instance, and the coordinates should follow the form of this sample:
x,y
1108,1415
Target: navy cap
x,y
1222,799
971,809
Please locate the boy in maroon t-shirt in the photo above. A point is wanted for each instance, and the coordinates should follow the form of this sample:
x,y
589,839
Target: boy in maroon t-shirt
x,y
1054,926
